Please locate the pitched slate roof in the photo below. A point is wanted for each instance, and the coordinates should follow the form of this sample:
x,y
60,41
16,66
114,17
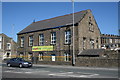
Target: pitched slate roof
x,y
54,22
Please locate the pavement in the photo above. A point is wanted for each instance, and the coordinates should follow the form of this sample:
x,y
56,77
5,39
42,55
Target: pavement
x,y
75,67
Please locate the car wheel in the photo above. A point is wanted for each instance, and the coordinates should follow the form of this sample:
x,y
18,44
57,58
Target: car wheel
x,y
8,64
20,66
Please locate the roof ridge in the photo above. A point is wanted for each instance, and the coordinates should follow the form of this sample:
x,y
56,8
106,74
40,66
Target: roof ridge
x,y
62,16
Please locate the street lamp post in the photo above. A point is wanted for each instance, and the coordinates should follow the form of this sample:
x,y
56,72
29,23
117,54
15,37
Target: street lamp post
x,y
73,55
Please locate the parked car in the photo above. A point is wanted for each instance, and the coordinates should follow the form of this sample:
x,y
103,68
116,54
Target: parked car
x,y
20,62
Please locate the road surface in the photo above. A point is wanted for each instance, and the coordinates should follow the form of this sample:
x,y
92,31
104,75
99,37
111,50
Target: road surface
x,y
54,71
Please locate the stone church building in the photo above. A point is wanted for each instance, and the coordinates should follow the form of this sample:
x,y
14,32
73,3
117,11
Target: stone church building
x,y
50,41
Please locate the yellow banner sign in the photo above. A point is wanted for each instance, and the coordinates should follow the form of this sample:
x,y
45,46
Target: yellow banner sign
x,y
42,48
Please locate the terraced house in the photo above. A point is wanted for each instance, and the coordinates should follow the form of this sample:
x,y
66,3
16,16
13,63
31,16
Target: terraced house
x,y
8,47
50,41
111,42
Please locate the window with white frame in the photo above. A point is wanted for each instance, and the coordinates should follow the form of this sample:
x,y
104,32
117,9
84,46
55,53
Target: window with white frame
x,y
67,37
22,42
0,45
21,54
53,38
116,41
91,28
66,57
30,40
30,55
110,40
41,39
8,45
40,56
0,38
84,43
92,43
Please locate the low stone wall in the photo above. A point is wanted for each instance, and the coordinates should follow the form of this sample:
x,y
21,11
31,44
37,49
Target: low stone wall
x,y
54,62
96,62
112,60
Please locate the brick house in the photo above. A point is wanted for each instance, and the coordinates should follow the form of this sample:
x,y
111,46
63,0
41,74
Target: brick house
x,y
8,47
50,41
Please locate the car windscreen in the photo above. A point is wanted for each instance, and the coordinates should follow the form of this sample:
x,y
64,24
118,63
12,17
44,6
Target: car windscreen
x,y
20,59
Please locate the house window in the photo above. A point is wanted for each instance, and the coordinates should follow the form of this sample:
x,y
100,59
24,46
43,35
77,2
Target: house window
x,y
116,41
30,55
84,42
97,44
41,39
53,38
67,37
90,18
92,43
0,45
22,42
40,56
0,38
91,28
110,40
66,57
30,40
8,55
8,46
21,54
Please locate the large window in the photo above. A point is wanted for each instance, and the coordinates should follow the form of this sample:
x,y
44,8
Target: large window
x,y
92,43
66,57
53,38
67,37
8,54
8,46
91,27
0,38
116,41
30,56
41,39
22,42
30,40
21,55
84,43
0,45
40,56
111,41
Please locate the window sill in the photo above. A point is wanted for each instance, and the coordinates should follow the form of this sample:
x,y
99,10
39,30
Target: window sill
x,y
40,45
67,43
21,47
41,60
53,44
67,61
30,46
91,30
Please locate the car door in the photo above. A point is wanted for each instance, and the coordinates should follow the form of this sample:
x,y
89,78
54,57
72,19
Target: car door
x,y
16,62
12,62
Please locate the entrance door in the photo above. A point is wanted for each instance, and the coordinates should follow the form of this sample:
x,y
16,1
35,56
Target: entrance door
x,y
53,57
